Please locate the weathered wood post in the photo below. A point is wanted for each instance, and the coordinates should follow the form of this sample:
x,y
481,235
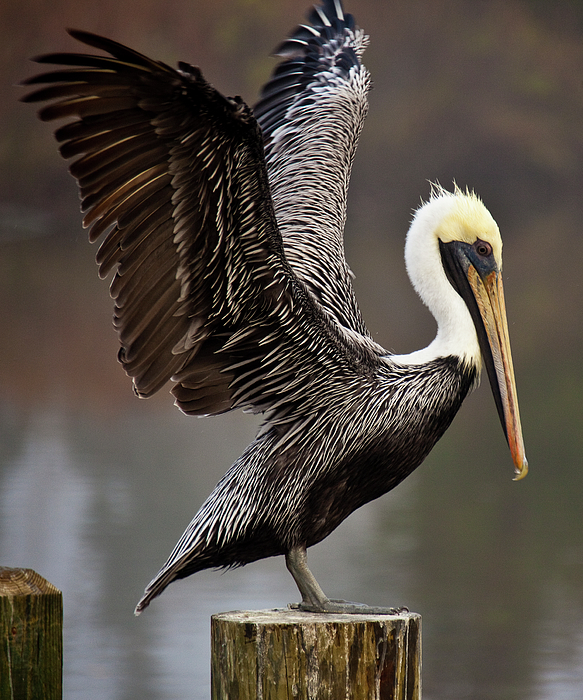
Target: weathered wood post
x,y
31,636
291,655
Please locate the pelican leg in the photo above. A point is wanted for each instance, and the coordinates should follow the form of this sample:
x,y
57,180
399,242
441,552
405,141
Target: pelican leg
x,y
313,597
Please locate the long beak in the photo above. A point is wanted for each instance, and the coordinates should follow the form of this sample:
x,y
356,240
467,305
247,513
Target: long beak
x,y
495,344
479,283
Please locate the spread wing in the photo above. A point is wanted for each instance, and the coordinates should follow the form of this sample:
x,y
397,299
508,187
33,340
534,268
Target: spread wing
x,y
173,179
311,113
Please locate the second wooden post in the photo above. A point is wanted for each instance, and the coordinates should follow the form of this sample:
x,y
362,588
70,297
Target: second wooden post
x,y
31,636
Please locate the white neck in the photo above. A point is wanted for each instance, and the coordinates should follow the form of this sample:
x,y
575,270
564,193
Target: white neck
x,y
456,333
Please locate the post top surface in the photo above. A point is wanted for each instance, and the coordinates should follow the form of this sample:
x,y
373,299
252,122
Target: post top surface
x,y
294,617
24,582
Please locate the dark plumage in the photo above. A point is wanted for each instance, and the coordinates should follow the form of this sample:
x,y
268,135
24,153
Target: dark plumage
x,y
225,230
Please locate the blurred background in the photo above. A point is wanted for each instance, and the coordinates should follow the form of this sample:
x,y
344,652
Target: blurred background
x,y
97,486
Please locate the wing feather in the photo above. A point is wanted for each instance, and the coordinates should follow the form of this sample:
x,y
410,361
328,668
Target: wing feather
x,y
173,179
311,113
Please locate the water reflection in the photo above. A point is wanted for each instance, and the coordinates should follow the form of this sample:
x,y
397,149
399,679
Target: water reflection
x,y
46,502
96,505
560,640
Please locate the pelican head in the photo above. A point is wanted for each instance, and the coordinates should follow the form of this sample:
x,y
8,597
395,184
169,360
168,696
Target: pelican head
x,y
454,260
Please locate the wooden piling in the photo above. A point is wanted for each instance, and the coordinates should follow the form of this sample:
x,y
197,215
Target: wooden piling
x,y
292,655
31,636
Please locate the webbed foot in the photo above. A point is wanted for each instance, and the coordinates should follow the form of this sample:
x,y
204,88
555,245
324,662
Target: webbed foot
x,y
347,608
313,597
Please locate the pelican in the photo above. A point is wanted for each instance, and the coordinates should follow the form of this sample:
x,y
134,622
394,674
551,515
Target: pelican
x,y
224,228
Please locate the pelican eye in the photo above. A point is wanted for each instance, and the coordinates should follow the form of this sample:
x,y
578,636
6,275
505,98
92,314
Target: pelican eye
x,y
482,248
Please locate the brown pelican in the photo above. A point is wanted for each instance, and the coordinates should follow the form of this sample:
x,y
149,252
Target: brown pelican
x,y
224,226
